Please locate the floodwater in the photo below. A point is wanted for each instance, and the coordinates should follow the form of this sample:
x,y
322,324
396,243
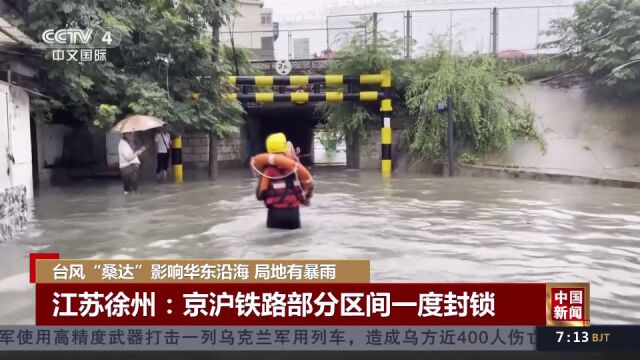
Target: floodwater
x,y
324,156
413,228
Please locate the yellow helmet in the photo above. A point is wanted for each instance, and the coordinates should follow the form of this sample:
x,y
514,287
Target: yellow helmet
x,y
276,143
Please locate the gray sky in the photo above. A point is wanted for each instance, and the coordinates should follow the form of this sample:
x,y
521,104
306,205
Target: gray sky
x,y
468,29
299,12
291,9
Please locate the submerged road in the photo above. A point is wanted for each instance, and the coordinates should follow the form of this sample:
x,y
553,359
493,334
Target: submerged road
x,y
416,229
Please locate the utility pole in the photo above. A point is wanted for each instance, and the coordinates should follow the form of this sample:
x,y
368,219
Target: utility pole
x,y
233,44
327,24
494,31
375,30
450,31
408,35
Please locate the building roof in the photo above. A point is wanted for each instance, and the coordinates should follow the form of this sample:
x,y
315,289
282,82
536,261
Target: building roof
x,y
12,36
512,54
252,2
20,58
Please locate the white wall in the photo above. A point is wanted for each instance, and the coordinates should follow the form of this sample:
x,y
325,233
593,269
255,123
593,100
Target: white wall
x,y
5,180
586,134
16,134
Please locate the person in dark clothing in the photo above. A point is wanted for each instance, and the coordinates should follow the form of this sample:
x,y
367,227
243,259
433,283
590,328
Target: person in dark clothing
x,y
282,195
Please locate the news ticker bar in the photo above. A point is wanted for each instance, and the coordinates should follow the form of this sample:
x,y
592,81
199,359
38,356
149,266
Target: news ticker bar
x,y
622,338
280,338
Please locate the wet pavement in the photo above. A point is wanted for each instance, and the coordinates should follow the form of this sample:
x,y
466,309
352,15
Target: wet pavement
x,y
412,228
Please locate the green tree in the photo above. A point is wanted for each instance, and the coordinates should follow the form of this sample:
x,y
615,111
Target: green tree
x,y
485,118
605,34
350,121
165,55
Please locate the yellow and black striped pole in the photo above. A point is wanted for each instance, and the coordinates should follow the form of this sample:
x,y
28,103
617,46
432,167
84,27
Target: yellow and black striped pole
x,y
385,132
176,159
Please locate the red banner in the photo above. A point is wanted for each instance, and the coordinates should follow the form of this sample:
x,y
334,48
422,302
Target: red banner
x,y
291,304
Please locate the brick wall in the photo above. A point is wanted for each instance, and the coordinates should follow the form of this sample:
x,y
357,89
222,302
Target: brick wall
x,y
195,150
231,150
402,162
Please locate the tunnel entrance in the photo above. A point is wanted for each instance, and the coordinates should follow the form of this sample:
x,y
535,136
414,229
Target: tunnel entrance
x,y
297,122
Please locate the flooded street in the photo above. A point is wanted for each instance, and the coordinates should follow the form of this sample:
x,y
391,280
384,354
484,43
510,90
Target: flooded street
x,y
414,229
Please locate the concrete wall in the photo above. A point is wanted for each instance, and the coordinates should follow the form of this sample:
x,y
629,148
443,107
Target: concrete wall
x,y
15,139
50,138
587,134
195,151
371,152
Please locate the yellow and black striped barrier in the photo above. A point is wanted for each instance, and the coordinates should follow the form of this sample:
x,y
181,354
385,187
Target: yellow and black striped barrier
x,y
385,131
383,80
176,159
365,79
303,97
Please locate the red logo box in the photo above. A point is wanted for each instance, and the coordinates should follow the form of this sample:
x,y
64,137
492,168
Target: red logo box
x,y
568,304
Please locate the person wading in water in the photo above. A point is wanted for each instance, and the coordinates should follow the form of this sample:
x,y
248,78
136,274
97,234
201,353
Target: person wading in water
x,y
163,141
129,162
280,189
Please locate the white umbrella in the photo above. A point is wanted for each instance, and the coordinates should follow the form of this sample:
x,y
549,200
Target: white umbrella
x,y
137,123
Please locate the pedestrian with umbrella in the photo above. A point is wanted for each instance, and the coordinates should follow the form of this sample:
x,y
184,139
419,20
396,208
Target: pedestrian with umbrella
x,y
128,153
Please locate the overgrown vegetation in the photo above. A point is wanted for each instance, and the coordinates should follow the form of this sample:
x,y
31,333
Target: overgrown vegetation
x,y
166,55
469,159
604,34
351,120
485,118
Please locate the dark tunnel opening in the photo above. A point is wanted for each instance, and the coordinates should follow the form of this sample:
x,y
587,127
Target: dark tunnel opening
x,y
297,122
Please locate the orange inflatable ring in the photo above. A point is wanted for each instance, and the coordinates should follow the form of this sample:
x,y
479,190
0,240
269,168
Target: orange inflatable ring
x,y
282,162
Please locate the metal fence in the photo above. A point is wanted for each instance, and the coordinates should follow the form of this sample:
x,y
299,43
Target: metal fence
x,y
506,31
293,43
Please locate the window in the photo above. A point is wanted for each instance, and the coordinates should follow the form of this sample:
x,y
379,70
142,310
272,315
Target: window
x,y
266,19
